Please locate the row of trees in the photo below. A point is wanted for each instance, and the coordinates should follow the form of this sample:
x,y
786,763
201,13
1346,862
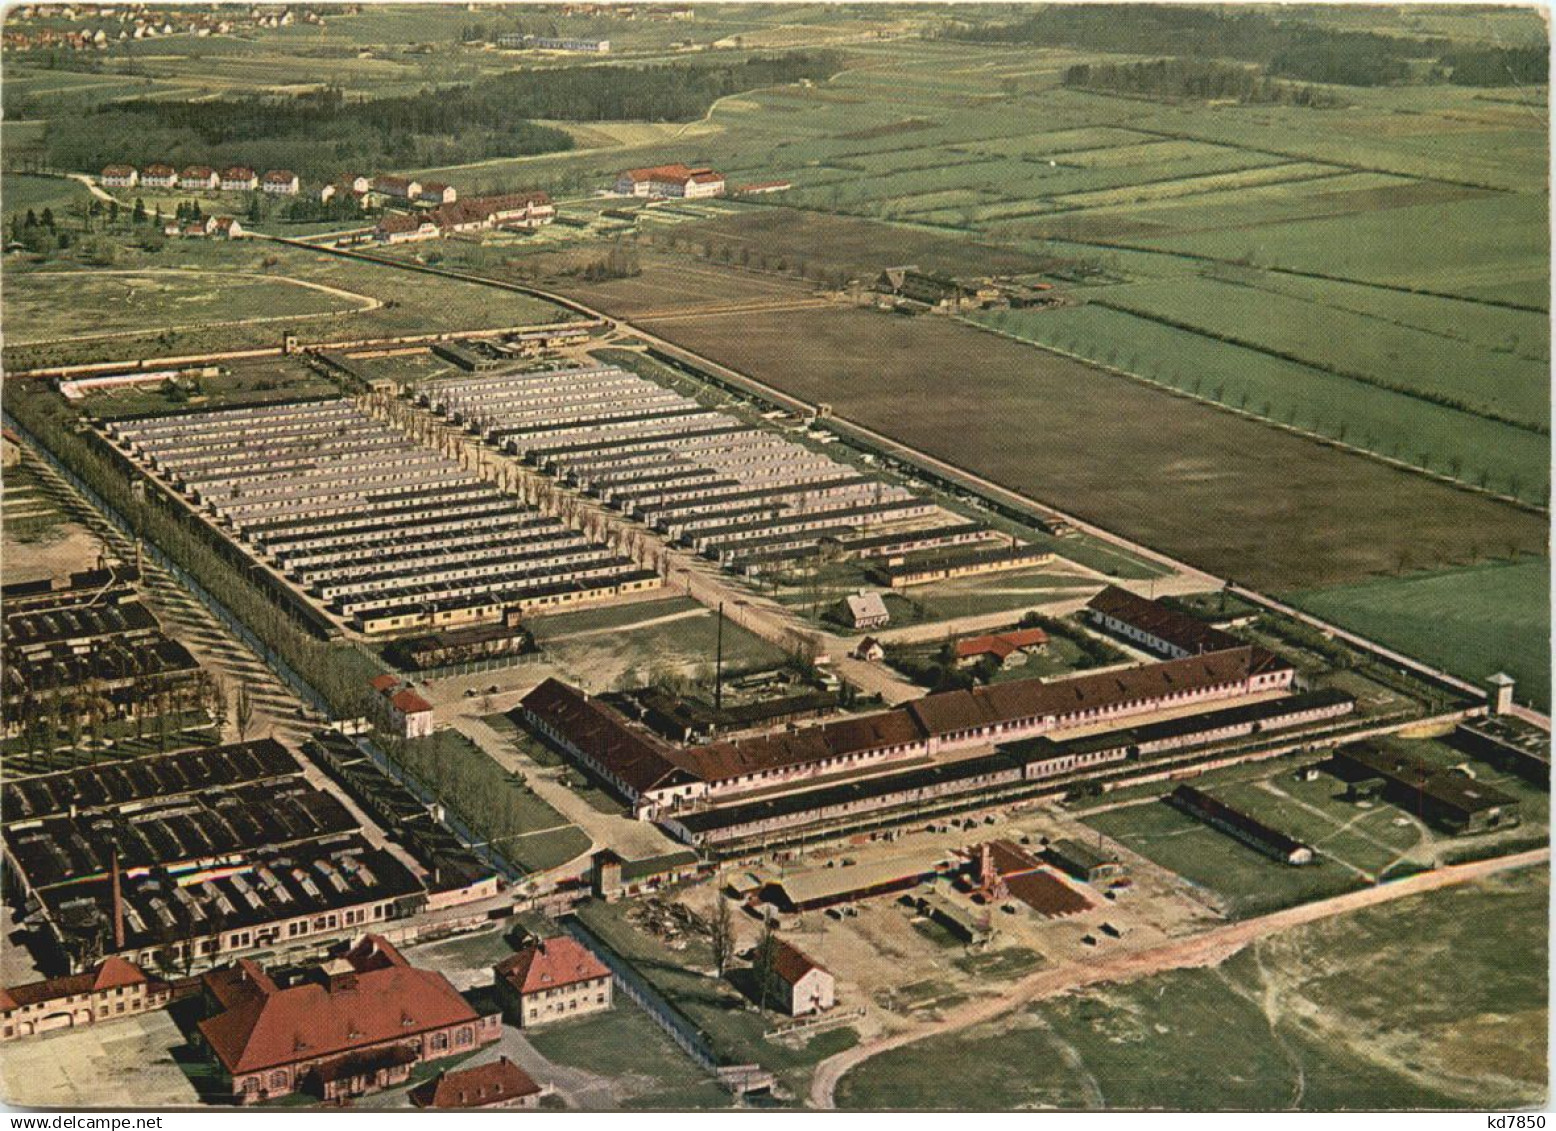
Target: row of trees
x,y
80,717
1287,47
336,672
1196,79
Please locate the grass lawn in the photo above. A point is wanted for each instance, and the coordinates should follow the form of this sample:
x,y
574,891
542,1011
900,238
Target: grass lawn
x,y
1246,882
411,303
21,191
105,303
634,1052
1473,621
733,1025
492,803
1409,1005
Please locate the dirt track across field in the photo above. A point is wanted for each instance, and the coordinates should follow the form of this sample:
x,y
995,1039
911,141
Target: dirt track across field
x,y
1208,949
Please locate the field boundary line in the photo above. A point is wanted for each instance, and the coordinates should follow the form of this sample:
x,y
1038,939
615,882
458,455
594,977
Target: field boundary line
x,y
1306,434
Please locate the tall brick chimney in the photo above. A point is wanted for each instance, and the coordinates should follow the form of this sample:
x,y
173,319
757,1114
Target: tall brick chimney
x,y
118,906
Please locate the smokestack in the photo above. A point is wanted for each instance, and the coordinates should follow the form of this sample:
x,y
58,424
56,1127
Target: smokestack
x,y
118,906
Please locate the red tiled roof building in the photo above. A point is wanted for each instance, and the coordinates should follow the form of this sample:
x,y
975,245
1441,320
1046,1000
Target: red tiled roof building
x,y
498,1084
354,1026
553,979
115,988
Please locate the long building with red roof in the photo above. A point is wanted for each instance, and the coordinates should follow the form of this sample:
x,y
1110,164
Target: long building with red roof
x,y
353,1026
114,989
659,778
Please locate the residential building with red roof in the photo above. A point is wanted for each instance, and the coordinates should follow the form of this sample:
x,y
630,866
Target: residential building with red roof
x,y
498,1084
397,188
510,210
115,988
400,227
356,1025
551,980
159,176
120,176
197,177
401,708
239,178
1152,624
280,182
799,984
671,181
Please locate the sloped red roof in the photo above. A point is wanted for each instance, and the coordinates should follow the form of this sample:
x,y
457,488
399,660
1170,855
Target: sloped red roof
x,y
280,176
677,174
1000,644
159,171
384,682
109,974
1179,629
200,172
408,702
237,173
561,961
402,222
118,170
486,1085
638,760
790,963
951,711
386,1000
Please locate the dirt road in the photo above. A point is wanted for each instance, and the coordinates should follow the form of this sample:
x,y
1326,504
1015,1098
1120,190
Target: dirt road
x,y
1208,949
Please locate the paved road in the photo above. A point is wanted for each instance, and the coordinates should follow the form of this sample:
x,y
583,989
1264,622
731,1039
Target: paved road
x,y
1207,949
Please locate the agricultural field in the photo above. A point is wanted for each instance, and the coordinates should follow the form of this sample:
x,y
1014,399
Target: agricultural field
x,y
1473,621
1208,487
1408,1005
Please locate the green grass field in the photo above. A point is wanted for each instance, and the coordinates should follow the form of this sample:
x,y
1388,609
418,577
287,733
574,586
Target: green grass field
x,y
20,191
248,274
1473,621
99,304
1409,1005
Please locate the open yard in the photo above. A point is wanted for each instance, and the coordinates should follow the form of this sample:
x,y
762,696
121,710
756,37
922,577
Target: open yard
x,y
231,286
1357,843
630,644
1410,1005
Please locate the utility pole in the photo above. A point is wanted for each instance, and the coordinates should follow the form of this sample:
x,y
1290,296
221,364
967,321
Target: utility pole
x,y
718,665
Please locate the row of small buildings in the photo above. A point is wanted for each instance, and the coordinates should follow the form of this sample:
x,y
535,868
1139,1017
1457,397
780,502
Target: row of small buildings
x,y
522,211
186,858
276,182
742,495
201,178
390,535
